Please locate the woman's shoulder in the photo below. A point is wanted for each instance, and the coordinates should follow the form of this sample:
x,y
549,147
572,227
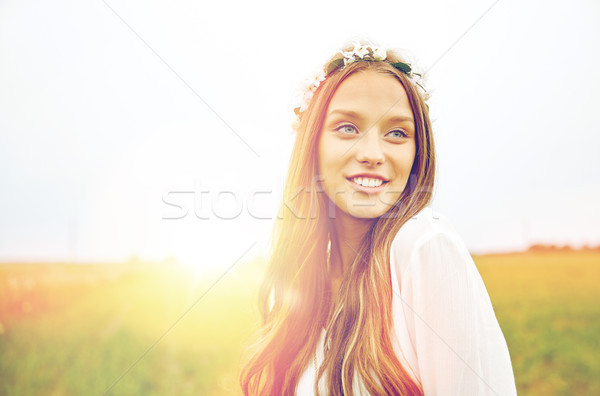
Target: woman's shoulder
x,y
425,225
428,228
444,318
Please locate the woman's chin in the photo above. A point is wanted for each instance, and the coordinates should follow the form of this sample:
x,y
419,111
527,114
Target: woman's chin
x,y
371,212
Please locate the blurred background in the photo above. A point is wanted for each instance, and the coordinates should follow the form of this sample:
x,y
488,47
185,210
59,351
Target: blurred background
x,y
143,150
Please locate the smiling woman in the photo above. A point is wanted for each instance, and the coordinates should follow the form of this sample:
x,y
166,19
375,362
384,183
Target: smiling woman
x,y
368,291
367,145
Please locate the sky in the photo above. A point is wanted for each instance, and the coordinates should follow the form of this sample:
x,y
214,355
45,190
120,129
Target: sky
x,y
162,130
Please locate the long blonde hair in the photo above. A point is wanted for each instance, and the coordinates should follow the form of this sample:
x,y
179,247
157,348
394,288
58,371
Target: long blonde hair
x,y
295,296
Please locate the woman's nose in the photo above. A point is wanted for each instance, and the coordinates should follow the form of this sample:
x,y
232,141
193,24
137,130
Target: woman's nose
x,y
369,148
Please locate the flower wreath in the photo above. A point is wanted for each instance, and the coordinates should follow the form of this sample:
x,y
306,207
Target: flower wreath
x,y
361,52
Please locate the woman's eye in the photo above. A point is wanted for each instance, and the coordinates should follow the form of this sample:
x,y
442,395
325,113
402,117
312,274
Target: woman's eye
x,y
346,129
397,133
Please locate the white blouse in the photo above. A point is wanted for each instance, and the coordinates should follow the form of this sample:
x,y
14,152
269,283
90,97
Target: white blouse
x,y
445,333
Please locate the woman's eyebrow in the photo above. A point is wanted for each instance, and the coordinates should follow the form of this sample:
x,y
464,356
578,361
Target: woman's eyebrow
x,y
401,119
347,113
353,114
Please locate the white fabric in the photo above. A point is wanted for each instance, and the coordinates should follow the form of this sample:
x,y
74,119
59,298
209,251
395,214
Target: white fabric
x,y
446,333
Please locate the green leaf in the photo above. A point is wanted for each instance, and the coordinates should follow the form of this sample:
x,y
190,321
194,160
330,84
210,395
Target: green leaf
x,y
403,67
335,64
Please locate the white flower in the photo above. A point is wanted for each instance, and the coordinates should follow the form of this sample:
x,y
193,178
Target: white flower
x,y
304,105
349,54
379,53
318,79
307,90
305,99
307,84
360,50
348,57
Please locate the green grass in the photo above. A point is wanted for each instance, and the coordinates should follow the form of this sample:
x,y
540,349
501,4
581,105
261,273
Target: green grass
x,y
72,337
548,308
80,329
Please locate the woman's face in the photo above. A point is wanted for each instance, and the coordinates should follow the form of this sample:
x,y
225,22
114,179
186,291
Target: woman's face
x,y
367,144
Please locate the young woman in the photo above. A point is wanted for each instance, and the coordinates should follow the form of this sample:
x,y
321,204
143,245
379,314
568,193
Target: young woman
x,y
368,291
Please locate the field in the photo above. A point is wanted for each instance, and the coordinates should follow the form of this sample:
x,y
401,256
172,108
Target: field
x,y
156,329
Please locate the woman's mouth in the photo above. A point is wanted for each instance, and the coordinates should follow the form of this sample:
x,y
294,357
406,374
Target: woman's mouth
x,y
368,185
367,181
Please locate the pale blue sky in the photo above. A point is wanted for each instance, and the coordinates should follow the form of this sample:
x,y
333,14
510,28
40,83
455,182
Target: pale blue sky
x,y
96,130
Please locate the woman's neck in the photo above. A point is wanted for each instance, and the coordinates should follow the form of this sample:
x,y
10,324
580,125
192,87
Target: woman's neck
x,y
346,240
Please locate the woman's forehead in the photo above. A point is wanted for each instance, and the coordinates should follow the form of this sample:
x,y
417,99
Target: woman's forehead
x,y
370,92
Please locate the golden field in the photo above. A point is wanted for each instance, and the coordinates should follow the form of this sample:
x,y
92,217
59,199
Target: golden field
x,y
157,329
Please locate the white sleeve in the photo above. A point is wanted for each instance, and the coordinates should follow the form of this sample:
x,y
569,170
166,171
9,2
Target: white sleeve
x,y
458,342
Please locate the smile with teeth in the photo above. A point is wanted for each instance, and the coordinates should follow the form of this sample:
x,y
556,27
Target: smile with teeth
x,y
367,181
